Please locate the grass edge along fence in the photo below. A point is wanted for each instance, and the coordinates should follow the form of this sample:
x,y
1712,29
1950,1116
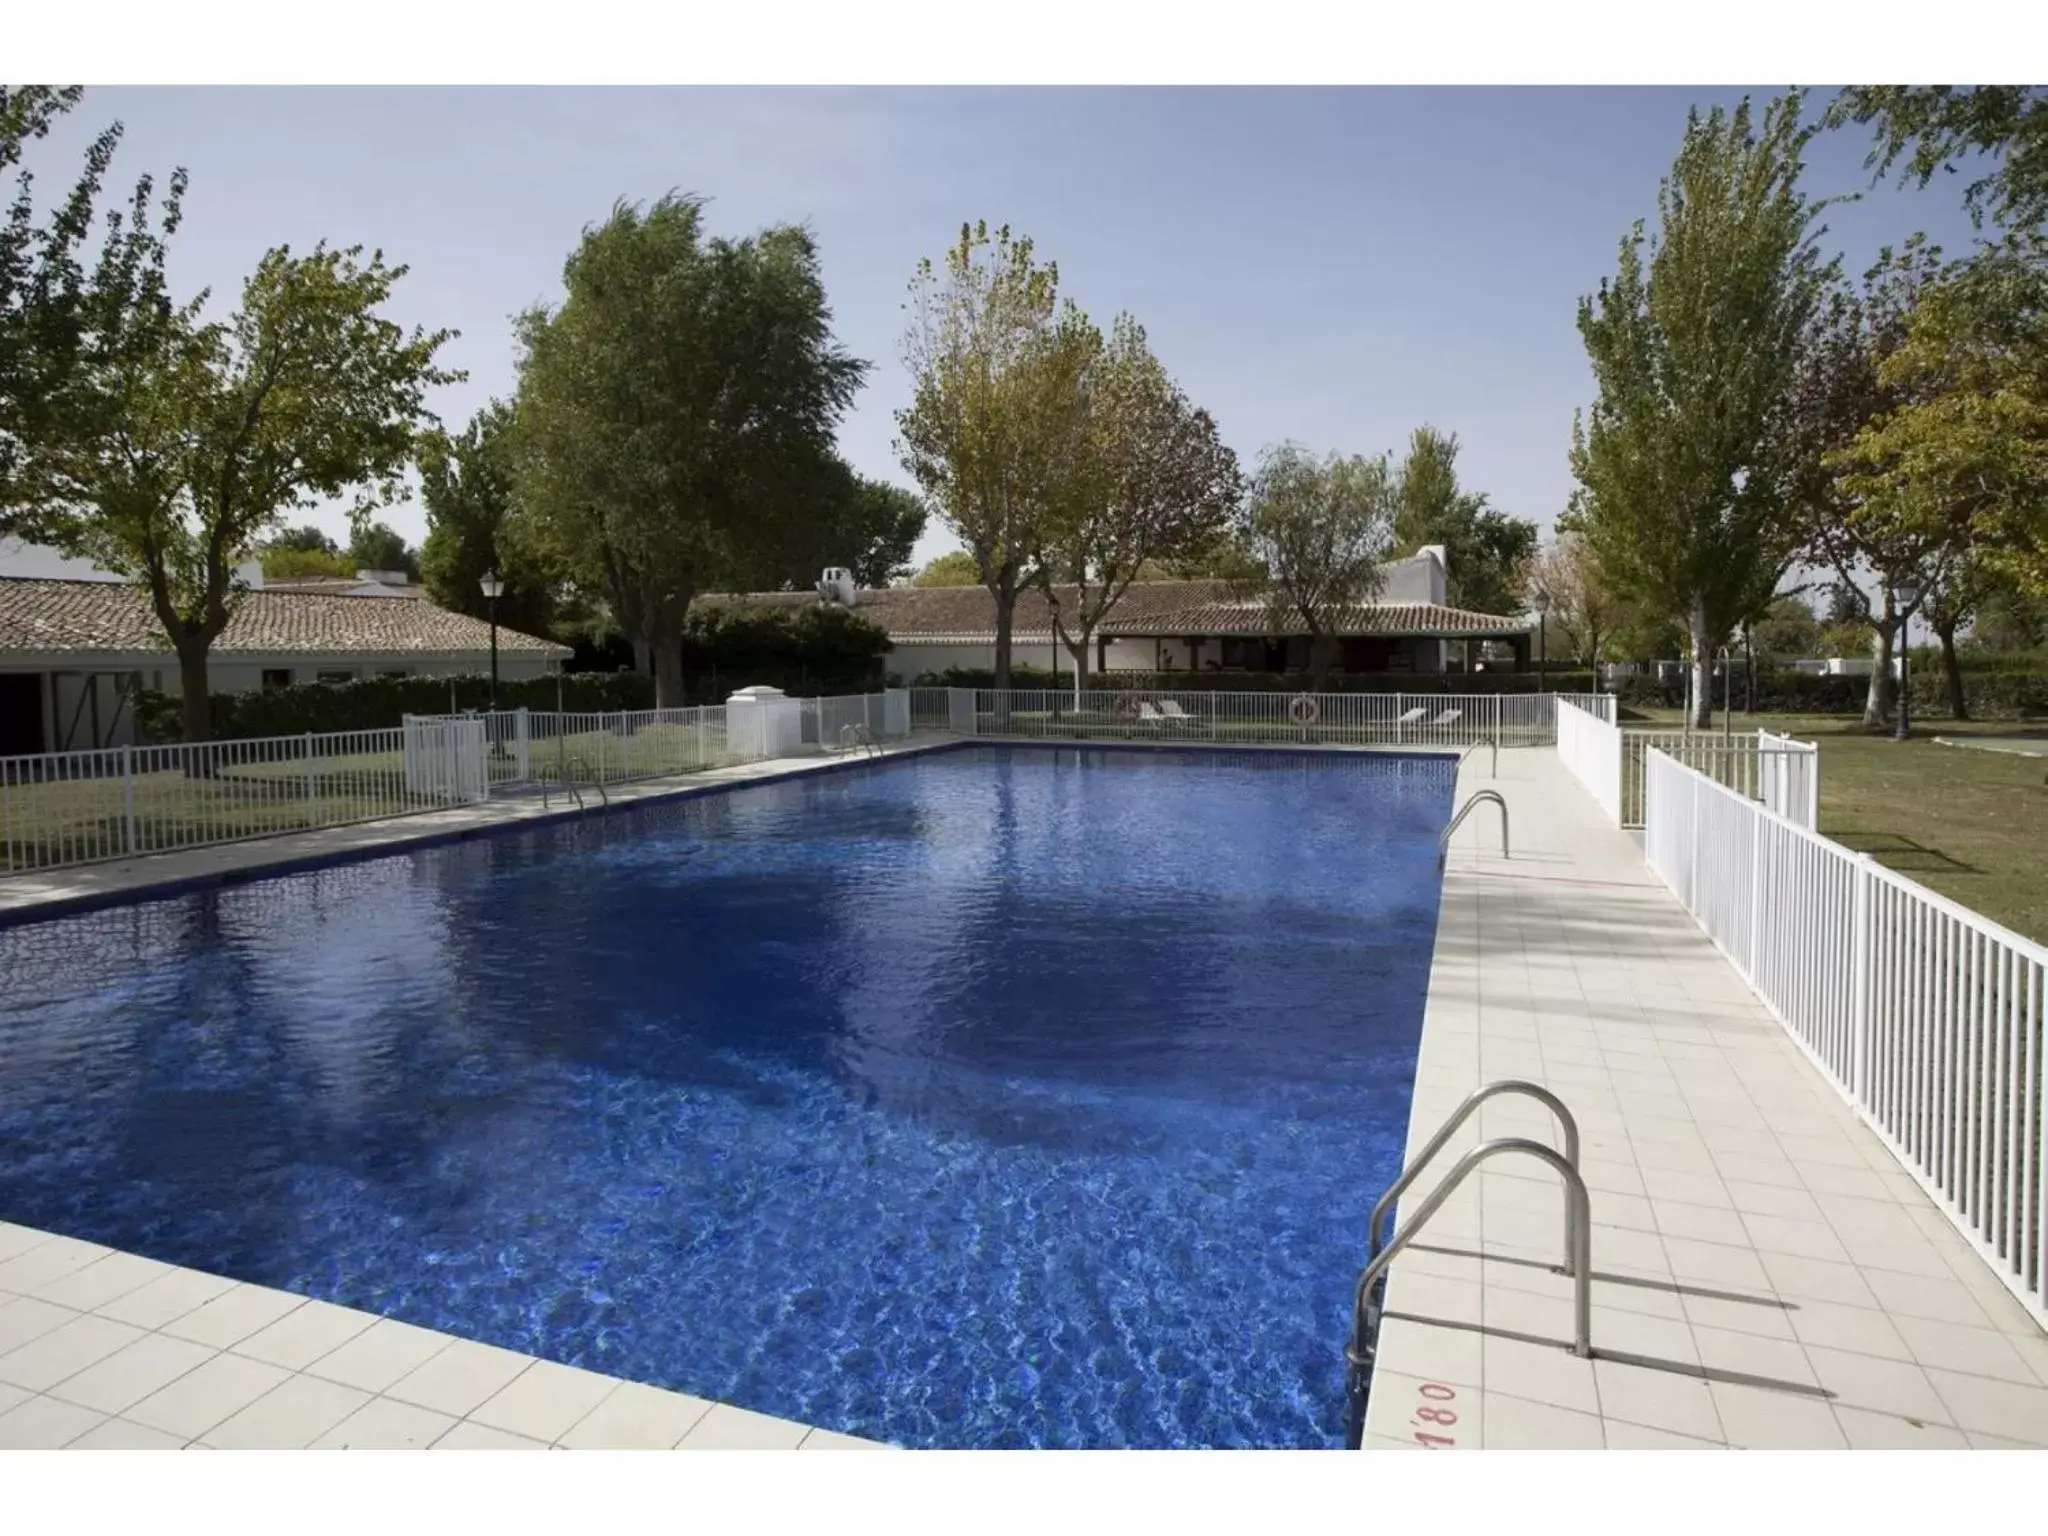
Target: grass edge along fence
x,y
1227,717
63,809
1925,1016
1608,761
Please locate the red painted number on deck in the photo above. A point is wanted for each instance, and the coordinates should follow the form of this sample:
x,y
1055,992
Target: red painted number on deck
x,y
1436,1393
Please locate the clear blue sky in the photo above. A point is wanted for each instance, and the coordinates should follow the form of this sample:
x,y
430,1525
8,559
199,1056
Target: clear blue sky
x,y
1334,266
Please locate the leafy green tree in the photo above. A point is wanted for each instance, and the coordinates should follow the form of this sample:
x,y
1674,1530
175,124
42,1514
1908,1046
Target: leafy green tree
x,y
1320,531
1787,630
197,437
2008,619
674,412
1960,460
884,525
380,547
1483,548
1157,484
1694,345
306,537
997,415
466,488
281,563
955,568
868,526
1839,391
53,311
1925,129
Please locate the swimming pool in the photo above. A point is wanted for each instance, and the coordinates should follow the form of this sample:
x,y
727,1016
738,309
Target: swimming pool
x,y
994,1097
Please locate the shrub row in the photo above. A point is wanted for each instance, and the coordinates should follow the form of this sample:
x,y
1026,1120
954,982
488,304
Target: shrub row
x,y
1556,681
380,702
1990,695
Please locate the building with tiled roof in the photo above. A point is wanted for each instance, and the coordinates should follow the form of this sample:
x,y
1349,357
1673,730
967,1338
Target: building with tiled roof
x,y
71,650
1181,626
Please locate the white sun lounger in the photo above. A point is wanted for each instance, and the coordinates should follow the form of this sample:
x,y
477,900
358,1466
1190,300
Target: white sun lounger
x,y
1148,715
1173,711
1449,717
1412,716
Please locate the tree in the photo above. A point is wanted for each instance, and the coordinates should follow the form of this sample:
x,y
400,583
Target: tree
x,y
1787,630
306,537
201,435
955,568
1839,391
996,420
466,489
1961,460
1483,548
1320,532
1693,351
50,305
1931,127
2008,619
1583,608
1158,484
868,526
675,412
380,547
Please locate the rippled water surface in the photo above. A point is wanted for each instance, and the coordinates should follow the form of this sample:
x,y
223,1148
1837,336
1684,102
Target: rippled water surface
x,y
983,1099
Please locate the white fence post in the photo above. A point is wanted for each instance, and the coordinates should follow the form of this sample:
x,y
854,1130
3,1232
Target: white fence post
x,y
1860,959
128,799
310,795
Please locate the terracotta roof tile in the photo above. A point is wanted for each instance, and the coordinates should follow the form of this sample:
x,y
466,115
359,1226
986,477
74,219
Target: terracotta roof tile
x,y
966,615
112,616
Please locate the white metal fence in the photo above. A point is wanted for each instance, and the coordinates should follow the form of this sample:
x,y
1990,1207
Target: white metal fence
x,y
1590,746
1928,1017
1781,772
66,808
1379,719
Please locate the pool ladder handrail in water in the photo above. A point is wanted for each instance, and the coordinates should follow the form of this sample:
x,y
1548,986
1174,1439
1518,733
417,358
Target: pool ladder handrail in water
x,y
1443,843
855,735
1369,1300
569,785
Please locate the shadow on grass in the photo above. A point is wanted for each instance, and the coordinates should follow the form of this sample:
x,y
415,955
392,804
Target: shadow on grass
x,y
1897,851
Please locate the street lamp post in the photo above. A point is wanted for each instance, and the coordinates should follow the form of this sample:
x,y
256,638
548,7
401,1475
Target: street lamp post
x,y
1540,601
1908,594
492,588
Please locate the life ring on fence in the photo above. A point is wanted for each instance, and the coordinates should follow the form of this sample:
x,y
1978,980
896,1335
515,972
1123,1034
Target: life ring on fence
x,y
1303,709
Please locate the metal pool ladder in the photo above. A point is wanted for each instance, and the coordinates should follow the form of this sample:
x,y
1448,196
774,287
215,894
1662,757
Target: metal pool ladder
x,y
1578,1232
1443,843
1493,744
857,736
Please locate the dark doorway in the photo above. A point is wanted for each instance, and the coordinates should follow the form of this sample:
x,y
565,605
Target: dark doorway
x,y
21,713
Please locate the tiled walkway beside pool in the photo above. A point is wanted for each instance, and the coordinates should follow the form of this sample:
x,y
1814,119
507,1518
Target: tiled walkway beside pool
x,y
1767,1275
108,1351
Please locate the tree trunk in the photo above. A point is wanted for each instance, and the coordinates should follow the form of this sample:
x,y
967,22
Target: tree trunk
x,y
1952,668
1321,656
643,658
1877,703
192,685
1078,649
1749,669
668,674
1004,590
1702,668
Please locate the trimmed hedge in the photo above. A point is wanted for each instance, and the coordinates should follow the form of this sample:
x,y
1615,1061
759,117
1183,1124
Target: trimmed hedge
x,y
1990,694
378,703
1558,680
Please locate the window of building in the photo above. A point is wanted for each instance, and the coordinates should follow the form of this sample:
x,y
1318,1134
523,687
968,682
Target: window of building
x,y
277,677
396,672
335,677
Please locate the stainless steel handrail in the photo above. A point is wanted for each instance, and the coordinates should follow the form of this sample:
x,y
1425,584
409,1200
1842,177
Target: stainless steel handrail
x,y
855,734
1443,843
1464,1112
1358,1353
1493,770
596,783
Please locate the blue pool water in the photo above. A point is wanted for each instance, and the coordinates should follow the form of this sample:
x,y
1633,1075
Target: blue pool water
x,y
991,1098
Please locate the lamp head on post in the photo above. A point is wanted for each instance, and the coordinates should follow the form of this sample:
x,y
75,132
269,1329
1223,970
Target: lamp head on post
x,y
493,586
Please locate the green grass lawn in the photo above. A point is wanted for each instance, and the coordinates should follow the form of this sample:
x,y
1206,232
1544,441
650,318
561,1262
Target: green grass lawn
x,y
1970,824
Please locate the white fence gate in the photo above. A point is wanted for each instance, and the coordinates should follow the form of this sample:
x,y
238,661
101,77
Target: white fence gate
x,y
445,758
1928,1017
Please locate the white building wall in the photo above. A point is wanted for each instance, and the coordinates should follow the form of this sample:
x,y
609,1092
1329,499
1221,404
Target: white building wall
x,y
1418,579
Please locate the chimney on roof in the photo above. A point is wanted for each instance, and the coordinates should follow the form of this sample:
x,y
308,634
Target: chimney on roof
x,y
837,586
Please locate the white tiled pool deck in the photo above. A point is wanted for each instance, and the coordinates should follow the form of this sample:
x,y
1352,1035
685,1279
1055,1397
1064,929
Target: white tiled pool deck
x,y
1766,1274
